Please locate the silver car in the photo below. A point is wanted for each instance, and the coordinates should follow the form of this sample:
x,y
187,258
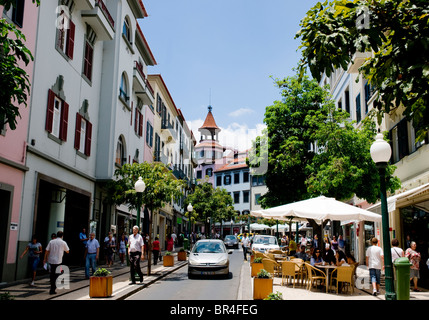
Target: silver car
x,y
231,241
208,257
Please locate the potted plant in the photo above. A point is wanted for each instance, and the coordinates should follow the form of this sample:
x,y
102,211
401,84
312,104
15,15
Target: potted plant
x,y
181,255
100,284
262,285
256,266
274,296
168,259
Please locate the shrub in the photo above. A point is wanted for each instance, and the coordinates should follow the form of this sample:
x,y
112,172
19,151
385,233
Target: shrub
x,y
274,296
264,274
257,260
101,272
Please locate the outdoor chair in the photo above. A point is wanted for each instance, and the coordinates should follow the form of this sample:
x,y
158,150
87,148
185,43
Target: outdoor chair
x,y
289,270
344,275
314,275
271,266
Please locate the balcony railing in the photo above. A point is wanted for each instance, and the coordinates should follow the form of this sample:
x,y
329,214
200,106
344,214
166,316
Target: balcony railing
x,y
106,12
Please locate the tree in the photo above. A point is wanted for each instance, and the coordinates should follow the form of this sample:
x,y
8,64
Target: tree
x,y
161,188
314,150
14,82
396,32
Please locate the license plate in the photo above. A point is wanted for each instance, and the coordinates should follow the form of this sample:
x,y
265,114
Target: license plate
x,y
207,273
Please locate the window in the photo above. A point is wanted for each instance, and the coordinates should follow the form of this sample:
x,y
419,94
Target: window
x,y
149,134
246,194
258,181
158,103
123,90
126,30
138,120
218,181
236,177
246,176
65,35
369,92
87,60
83,135
199,174
227,179
358,110
16,13
157,147
237,197
120,152
257,196
209,172
347,100
57,116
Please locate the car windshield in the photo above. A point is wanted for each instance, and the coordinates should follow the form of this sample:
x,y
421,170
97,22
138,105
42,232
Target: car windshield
x,y
265,240
229,238
208,247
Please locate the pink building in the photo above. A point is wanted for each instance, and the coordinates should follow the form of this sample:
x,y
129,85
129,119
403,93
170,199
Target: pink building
x,y
13,144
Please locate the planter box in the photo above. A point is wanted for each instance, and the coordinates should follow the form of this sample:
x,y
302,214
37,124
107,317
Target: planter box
x,y
100,286
256,267
262,288
252,257
168,261
181,256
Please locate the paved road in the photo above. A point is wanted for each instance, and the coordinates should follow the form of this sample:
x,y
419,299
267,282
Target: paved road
x,y
177,286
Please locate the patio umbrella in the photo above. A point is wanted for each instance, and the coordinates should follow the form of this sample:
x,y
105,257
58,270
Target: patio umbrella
x,y
319,209
258,226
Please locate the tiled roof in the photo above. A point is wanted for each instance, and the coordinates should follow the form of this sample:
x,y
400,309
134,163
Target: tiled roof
x,y
210,122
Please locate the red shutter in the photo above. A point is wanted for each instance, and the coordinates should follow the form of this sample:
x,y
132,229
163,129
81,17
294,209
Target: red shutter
x,y
50,111
70,39
140,124
88,138
64,121
77,132
136,121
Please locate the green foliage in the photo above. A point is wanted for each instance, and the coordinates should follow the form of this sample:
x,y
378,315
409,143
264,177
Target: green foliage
x,y
6,296
257,260
14,81
101,272
314,149
396,32
274,296
168,253
263,274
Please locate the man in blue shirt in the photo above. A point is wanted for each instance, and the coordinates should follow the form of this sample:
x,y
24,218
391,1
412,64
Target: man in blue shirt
x,y
92,252
83,238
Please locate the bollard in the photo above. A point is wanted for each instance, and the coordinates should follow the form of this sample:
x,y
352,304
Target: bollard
x,y
185,244
402,267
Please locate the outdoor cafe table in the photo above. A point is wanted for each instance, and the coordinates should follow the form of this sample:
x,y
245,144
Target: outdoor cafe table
x,y
328,268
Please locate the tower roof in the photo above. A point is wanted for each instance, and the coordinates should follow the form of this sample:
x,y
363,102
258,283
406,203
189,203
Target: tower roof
x,y
210,122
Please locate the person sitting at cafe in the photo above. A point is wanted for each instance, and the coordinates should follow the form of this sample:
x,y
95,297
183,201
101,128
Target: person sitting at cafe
x,y
316,259
328,255
340,259
301,254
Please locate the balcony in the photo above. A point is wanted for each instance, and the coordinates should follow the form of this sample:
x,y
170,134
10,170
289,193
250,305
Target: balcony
x,y
167,132
100,21
84,4
142,87
358,60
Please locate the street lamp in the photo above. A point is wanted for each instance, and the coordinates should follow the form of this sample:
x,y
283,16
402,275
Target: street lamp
x,y
190,209
380,154
139,187
231,224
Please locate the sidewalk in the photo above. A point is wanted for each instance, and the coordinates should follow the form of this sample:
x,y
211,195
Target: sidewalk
x,y
79,286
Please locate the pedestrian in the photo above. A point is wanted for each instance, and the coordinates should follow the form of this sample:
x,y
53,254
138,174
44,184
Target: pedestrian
x,y
135,252
34,250
245,242
155,250
83,238
54,256
92,252
315,242
170,243
396,252
414,258
292,247
334,244
122,246
174,236
375,262
110,246
341,244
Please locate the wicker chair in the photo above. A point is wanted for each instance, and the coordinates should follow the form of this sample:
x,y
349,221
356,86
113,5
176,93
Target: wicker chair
x,y
314,275
290,269
272,267
344,275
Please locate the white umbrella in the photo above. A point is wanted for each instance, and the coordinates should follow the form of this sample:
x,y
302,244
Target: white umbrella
x,y
258,226
319,209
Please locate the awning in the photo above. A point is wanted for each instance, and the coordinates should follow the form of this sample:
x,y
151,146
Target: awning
x,y
407,195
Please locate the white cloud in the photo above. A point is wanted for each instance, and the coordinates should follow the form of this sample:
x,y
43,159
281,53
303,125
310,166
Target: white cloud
x,y
240,112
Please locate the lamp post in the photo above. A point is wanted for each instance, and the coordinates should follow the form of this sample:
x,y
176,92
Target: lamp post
x,y
380,154
190,209
139,187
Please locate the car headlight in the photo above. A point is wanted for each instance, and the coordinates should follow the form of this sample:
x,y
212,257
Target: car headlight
x,y
223,262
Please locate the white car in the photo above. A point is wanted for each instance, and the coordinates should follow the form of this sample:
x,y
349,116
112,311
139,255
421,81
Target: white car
x,y
263,243
208,257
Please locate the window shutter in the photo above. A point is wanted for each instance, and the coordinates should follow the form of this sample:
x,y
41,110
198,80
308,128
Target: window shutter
x,y
50,111
88,138
70,39
77,132
140,124
64,121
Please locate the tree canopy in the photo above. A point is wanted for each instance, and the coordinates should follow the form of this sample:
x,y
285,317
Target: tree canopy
x,y
397,34
313,149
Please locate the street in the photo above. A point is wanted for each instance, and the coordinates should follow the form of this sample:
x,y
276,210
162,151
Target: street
x,y
177,286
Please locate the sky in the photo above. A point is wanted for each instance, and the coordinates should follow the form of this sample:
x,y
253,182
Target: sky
x,y
224,53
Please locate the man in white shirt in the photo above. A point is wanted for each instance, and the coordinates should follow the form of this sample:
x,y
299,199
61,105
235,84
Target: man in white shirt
x,y
375,262
135,250
54,256
245,242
